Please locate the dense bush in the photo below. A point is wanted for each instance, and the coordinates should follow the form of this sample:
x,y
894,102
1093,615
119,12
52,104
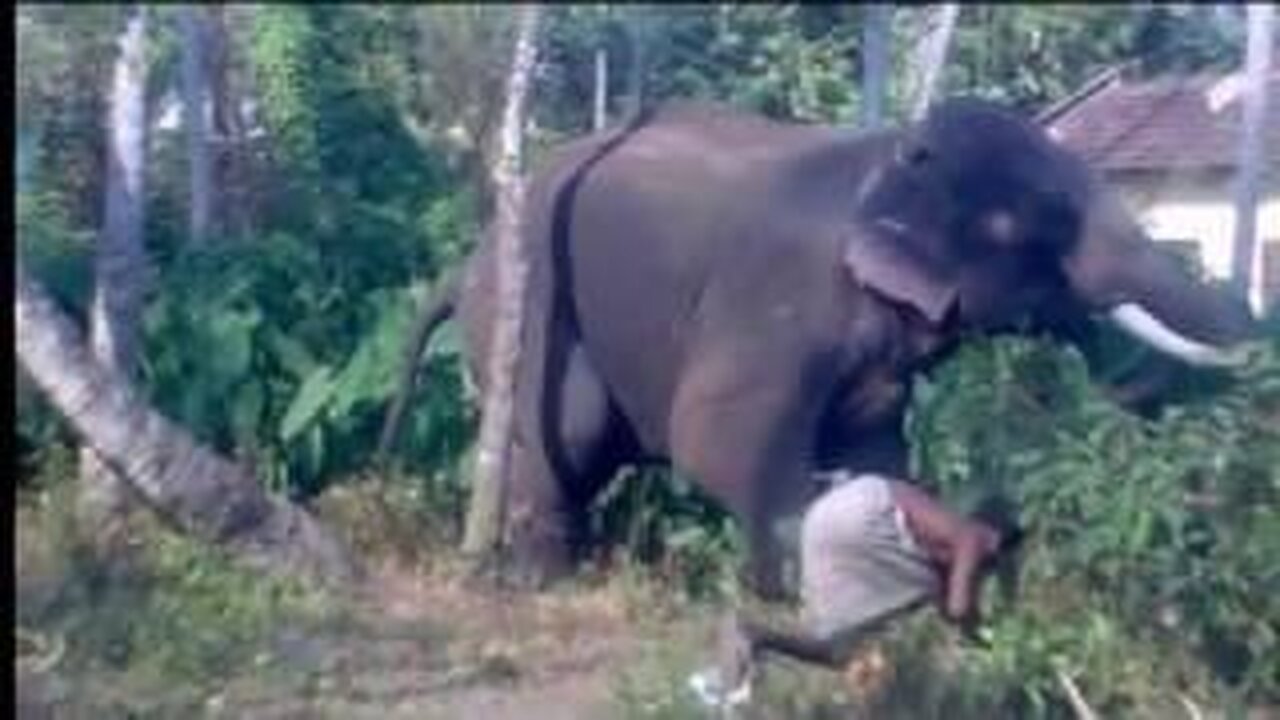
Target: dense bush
x,y
255,350
1152,559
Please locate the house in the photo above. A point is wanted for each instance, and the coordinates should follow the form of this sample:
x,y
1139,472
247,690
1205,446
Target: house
x,y
1170,146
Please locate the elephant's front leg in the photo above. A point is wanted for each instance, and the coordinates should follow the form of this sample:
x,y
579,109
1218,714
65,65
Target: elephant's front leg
x,y
750,450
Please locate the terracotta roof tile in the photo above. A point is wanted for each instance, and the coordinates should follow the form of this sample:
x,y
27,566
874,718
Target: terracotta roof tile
x,y
1162,124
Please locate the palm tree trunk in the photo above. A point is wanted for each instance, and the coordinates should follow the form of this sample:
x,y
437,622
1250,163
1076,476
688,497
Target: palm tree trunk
x,y
187,484
195,94
485,515
120,261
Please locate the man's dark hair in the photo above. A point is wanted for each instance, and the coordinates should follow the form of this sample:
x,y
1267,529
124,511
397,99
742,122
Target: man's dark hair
x,y
998,512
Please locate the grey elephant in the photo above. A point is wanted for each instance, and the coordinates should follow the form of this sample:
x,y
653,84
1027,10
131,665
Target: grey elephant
x,y
749,300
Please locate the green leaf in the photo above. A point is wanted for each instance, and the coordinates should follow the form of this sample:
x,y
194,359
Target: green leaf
x,y
292,355
231,336
445,342
307,403
246,412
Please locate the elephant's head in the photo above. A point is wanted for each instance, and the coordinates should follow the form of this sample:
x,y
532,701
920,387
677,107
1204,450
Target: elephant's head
x,y
977,215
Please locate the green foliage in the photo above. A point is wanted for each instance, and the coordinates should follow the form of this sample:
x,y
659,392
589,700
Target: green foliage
x,y
59,254
1029,55
161,610
54,249
786,61
282,48
255,350
664,523
1151,538
1190,38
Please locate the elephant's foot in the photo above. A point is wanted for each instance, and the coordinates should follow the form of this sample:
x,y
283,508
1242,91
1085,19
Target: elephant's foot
x,y
517,569
538,554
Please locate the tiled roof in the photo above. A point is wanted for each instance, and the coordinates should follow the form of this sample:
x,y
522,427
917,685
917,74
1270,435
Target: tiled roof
x,y
1174,122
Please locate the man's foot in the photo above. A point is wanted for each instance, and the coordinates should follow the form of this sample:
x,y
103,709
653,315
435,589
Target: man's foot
x,y
728,682
734,652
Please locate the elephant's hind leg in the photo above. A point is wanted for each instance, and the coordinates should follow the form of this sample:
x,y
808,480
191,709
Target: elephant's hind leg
x,y
539,518
551,501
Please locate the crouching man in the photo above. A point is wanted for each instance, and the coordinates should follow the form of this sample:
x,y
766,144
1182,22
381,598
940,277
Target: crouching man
x,y
871,548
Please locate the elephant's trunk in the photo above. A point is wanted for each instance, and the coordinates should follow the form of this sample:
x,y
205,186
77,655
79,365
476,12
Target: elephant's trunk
x,y
1117,269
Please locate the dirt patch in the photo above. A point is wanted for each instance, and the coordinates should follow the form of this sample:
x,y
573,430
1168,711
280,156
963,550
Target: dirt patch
x,y
416,644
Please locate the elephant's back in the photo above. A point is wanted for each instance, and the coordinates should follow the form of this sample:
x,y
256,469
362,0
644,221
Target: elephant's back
x,y
650,225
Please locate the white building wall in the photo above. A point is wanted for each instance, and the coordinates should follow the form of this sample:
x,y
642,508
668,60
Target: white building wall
x,y
1205,213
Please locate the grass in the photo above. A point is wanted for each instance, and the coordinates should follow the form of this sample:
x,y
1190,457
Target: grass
x,y
152,625
161,627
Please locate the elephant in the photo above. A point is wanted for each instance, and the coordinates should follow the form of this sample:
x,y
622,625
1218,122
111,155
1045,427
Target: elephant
x,y
748,300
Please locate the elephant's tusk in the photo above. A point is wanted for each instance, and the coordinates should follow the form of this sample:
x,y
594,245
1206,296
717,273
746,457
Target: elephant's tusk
x,y
1135,320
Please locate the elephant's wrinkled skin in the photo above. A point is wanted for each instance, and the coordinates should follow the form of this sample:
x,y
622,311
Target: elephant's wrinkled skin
x,y
749,299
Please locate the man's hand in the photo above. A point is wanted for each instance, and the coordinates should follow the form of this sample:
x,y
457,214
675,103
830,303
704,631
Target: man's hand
x,y
959,603
967,621
969,550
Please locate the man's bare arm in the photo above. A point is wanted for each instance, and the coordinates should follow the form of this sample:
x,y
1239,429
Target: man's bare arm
x,y
970,550
954,541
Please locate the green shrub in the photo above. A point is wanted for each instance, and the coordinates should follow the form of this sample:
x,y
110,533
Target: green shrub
x,y
169,617
1151,563
662,522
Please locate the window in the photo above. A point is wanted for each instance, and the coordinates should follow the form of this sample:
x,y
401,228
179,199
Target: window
x,y
1270,280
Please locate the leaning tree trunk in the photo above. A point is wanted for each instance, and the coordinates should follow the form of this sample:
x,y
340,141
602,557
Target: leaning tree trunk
x,y
876,26
930,55
1254,100
195,94
488,499
120,261
187,484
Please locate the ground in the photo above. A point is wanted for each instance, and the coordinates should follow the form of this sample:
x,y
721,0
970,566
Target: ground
x,y
423,644
160,628
419,640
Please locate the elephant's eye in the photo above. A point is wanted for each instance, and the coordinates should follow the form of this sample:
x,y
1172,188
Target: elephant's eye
x,y
1000,227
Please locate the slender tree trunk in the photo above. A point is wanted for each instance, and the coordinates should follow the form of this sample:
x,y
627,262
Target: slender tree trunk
x,y
189,485
1254,99
635,74
488,499
599,117
119,265
875,62
195,96
229,141
931,55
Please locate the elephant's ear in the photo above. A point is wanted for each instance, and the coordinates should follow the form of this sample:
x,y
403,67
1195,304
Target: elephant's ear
x,y
881,256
